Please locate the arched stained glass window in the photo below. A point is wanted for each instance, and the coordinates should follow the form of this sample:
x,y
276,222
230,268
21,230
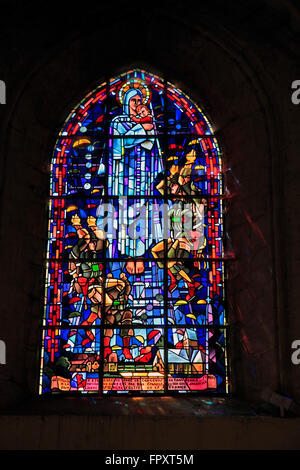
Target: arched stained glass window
x,y
134,292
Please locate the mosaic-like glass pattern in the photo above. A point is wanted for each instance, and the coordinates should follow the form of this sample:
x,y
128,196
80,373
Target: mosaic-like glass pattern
x,y
134,291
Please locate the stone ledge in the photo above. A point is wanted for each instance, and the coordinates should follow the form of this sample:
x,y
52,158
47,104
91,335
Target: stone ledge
x,y
148,432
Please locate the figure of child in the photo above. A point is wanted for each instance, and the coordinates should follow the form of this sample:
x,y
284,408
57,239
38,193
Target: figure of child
x,y
143,117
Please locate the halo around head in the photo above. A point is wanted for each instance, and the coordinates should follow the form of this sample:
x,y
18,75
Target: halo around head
x,y
135,83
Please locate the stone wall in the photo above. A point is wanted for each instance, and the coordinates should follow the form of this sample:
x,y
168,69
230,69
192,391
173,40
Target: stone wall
x,y
238,62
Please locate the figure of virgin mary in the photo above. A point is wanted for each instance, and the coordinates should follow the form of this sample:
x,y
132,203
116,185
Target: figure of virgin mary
x,y
134,163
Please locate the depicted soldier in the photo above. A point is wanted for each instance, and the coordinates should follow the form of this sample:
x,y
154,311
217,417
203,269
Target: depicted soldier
x,y
87,273
180,180
118,313
188,240
178,251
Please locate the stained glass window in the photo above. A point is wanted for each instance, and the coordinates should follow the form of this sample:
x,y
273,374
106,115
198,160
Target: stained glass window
x,y
134,291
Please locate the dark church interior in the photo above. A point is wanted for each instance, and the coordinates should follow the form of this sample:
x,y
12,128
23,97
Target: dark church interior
x,y
240,60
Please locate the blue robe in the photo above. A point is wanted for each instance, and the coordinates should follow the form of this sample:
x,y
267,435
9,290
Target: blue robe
x,y
134,163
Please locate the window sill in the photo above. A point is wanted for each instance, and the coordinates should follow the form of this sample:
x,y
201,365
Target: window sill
x,y
166,406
